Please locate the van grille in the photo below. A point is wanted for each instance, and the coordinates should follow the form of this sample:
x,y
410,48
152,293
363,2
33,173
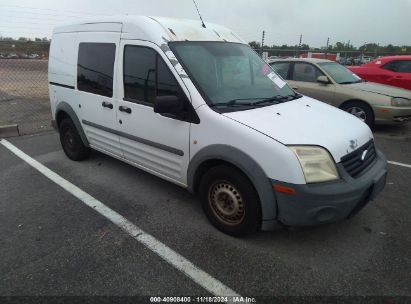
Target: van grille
x,y
353,163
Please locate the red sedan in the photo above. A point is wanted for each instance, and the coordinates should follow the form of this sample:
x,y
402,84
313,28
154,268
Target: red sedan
x,y
390,70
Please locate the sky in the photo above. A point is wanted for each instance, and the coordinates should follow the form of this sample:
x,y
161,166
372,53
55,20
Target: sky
x,y
358,21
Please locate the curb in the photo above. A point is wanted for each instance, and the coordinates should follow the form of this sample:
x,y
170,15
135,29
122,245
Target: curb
x,y
9,131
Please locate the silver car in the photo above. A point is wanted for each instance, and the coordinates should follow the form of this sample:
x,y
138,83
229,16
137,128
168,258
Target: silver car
x,y
330,82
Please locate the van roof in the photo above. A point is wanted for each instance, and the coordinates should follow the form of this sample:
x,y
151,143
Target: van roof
x,y
156,29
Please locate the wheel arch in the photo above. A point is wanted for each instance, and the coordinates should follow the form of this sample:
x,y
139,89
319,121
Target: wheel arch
x,y
64,110
215,155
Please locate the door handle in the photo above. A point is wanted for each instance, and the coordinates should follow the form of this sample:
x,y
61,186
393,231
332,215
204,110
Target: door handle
x,y
106,104
125,109
295,88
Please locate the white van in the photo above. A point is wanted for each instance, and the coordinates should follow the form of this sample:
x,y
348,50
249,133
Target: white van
x,y
195,105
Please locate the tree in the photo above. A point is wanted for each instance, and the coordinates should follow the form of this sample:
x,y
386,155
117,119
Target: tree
x,y
255,45
37,39
22,39
339,46
304,46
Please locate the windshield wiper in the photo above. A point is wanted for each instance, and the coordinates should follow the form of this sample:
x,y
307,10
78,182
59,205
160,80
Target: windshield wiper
x,y
262,100
235,103
278,99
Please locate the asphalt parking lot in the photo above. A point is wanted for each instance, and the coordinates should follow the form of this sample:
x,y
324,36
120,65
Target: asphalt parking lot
x,y
55,245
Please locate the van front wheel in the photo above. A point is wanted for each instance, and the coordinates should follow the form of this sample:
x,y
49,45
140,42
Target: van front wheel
x,y
230,201
71,141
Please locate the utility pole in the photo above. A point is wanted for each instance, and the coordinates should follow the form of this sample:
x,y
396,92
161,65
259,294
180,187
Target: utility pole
x,y
262,43
363,53
326,48
299,46
348,47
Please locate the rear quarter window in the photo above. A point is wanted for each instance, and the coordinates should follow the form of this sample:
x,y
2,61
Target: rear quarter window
x,y
95,68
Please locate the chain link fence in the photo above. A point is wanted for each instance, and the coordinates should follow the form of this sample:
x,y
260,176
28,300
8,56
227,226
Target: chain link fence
x,y
355,54
24,96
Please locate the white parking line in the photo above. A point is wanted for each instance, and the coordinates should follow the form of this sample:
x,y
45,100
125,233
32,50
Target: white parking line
x,y
398,164
199,276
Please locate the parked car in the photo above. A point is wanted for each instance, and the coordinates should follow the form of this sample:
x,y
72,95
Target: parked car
x,y
390,70
12,56
365,59
334,84
346,61
183,102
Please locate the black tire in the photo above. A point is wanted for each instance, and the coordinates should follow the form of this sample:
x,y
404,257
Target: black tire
x,y
230,201
361,110
71,141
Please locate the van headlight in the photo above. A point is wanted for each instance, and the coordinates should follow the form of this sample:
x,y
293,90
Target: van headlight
x,y
316,162
400,102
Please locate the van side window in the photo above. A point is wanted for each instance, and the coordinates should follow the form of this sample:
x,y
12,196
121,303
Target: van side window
x,y
146,76
95,68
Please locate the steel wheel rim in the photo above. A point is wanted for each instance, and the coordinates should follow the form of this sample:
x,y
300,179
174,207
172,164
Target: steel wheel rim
x,y
358,112
226,203
69,140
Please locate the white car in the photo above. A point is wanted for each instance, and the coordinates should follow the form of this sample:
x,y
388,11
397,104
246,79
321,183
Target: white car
x,y
195,105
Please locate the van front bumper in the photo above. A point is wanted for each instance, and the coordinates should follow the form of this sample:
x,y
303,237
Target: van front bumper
x,y
321,203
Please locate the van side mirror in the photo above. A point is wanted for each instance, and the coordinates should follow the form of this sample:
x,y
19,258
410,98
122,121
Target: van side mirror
x,y
323,79
170,105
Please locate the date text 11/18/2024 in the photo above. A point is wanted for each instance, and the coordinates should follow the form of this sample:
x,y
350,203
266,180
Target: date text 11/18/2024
x,y
234,299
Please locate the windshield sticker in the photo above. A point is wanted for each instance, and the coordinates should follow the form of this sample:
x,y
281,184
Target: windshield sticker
x,y
265,70
277,80
356,76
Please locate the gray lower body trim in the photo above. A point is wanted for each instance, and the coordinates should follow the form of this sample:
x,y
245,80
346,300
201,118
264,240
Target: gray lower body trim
x,y
135,138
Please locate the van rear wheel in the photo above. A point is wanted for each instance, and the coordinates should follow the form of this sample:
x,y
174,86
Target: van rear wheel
x,y
230,201
71,141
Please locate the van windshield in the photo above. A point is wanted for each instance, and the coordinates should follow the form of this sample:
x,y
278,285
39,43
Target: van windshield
x,y
231,75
